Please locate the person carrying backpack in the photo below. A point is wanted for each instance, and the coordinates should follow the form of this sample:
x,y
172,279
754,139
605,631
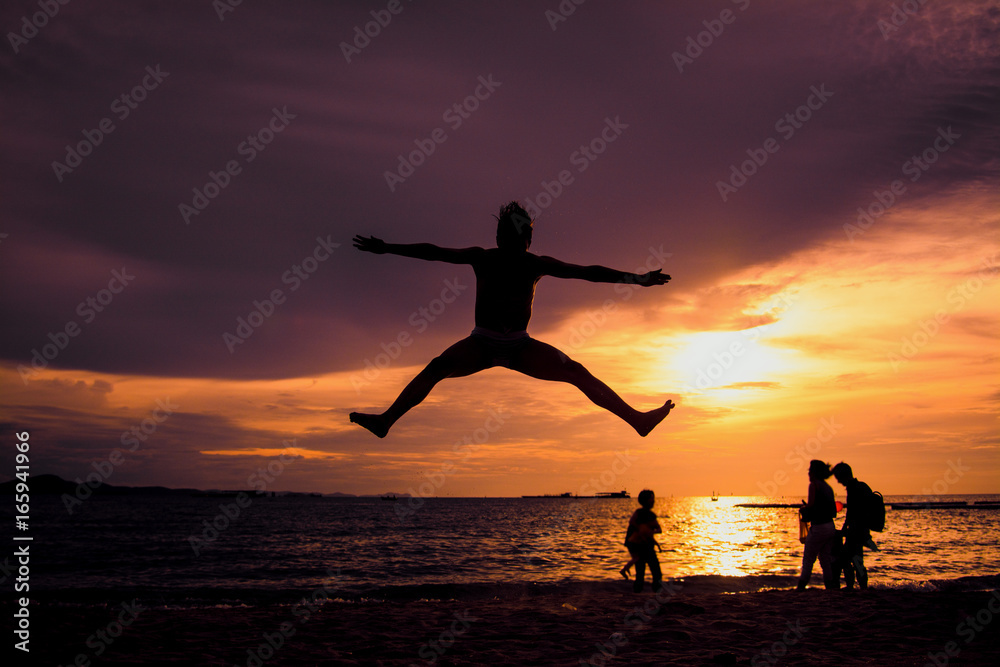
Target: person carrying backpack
x,y
856,528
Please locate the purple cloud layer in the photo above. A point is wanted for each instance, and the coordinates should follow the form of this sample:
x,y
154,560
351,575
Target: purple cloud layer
x,y
299,141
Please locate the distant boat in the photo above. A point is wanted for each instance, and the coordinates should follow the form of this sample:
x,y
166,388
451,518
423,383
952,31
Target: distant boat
x,y
391,497
715,496
603,494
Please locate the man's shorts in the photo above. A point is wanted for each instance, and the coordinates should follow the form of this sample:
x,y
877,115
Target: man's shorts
x,y
501,348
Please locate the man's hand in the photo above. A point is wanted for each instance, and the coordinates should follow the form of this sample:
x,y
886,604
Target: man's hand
x,y
370,244
652,278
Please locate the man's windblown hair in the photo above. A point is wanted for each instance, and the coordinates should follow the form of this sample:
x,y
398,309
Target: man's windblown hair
x,y
513,226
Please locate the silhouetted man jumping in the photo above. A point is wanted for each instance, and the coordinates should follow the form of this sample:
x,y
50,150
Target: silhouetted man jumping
x,y
505,288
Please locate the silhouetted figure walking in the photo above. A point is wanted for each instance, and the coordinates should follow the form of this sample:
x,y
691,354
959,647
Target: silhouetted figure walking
x,y
505,288
640,540
856,532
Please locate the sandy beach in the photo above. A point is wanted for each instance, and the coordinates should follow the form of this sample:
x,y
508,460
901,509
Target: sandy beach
x,y
602,623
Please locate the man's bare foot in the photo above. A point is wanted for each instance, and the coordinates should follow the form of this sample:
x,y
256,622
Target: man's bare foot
x,y
647,421
373,423
624,572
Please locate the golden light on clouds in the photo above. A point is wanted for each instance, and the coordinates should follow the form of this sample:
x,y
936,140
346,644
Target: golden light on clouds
x,y
720,359
894,332
295,452
892,338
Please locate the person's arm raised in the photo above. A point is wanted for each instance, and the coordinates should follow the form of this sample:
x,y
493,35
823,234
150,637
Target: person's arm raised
x,y
601,274
425,251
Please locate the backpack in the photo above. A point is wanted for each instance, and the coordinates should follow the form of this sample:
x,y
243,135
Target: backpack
x,y
876,512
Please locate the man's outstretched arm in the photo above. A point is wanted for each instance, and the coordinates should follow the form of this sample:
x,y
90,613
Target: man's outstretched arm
x,y
601,274
425,251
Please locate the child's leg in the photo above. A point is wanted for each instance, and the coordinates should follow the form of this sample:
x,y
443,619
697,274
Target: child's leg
x,y
640,574
654,570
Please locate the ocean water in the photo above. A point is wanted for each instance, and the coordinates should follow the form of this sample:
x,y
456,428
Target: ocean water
x,y
187,551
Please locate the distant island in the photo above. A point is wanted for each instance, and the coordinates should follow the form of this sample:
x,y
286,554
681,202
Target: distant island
x,y
55,485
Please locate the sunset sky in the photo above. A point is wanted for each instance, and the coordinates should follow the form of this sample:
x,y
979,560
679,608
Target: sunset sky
x,y
819,179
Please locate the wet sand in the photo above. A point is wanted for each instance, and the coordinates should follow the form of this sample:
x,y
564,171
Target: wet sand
x,y
598,624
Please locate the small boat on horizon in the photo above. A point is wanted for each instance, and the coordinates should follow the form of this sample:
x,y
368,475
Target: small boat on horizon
x,y
603,494
553,495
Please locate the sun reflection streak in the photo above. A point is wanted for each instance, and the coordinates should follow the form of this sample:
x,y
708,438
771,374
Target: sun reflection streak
x,y
717,538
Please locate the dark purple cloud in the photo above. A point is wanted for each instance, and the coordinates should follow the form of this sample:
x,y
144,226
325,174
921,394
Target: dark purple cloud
x,y
343,125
